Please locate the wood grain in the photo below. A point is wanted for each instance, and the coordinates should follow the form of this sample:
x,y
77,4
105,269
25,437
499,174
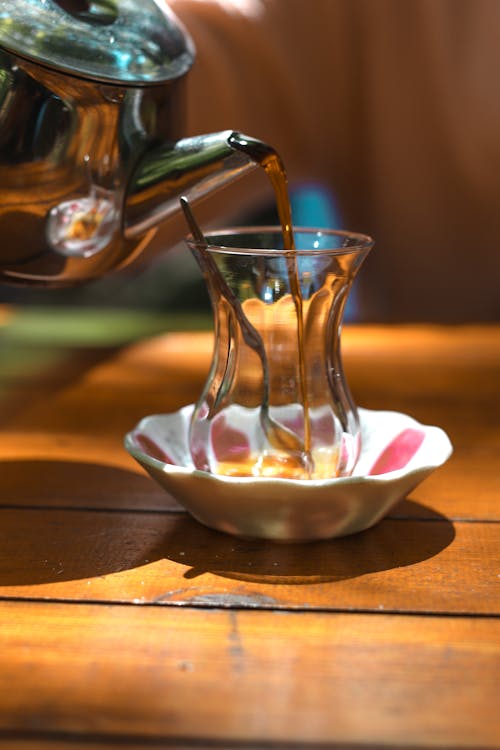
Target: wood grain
x,y
306,677
125,622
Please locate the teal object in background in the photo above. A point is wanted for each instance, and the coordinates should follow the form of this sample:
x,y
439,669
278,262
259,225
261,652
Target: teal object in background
x,y
313,205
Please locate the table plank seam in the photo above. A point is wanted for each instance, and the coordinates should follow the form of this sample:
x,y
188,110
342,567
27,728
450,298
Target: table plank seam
x,y
208,743
286,609
181,512
94,509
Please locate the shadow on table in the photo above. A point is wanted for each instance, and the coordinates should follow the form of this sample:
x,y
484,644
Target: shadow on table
x,y
393,543
115,521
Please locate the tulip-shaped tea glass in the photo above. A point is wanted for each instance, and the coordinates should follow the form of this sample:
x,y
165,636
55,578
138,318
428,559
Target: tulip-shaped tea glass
x,y
276,402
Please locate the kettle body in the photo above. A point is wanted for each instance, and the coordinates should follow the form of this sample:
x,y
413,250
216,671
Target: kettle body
x,y
91,150
68,149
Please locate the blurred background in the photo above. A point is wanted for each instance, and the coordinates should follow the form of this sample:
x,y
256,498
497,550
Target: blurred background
x,y
387,117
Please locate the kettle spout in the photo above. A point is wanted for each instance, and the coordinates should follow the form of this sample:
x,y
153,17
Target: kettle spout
x,y
193,167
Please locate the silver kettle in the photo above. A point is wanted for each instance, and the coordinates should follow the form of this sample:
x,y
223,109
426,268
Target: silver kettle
x,y
91,153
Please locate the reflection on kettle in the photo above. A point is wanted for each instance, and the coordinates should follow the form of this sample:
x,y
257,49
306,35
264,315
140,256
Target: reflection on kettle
x,y
91,154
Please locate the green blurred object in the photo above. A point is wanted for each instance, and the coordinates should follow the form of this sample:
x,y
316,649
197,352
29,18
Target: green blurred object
x,y
93,327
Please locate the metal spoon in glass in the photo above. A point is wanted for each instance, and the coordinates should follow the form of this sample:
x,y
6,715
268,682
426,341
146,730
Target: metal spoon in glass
x,y
279,436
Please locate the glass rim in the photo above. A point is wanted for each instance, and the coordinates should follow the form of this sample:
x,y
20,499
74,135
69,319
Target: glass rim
x,y
361,241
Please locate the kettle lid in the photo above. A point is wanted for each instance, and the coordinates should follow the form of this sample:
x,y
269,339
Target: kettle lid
x,y
115,41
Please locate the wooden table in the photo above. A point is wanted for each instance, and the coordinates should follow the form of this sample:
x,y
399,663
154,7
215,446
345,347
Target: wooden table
x,y
124,621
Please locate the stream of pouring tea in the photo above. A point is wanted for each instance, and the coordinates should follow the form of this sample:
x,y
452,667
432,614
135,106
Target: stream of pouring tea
x,y
272,164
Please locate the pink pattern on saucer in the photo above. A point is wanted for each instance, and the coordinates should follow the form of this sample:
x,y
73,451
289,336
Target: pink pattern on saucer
x,y
228,443
399,452
152,448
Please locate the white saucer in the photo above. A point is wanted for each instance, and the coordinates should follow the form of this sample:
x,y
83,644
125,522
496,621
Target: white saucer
x,y
397,453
